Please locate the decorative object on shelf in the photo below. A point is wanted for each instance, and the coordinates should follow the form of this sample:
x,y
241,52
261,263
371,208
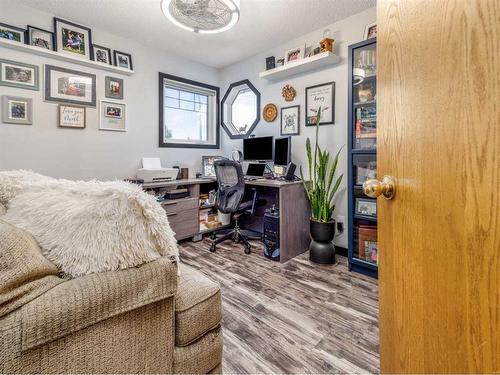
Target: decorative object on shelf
x,y
112,116
290,120
270,62
321,191
270,112
113,88
371,31
101,54
204,17
72,39
13,33
366,207
280,62
288,93
71,116
18,74
317,51
240,109
323,96
16,110
358,76
309,51
123,60
69,86
326,45
365,95
295,54
365,171
40,38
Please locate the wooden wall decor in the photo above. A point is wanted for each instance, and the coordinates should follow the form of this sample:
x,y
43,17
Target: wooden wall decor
x,y
270,112
289,93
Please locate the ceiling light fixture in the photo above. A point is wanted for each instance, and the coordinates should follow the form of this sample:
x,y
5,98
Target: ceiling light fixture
x,y
202,16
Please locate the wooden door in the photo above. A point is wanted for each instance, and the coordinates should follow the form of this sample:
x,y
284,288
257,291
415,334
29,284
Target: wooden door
x,y
439,136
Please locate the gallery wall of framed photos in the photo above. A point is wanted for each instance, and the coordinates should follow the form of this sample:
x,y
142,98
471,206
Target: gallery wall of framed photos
x,y
69,133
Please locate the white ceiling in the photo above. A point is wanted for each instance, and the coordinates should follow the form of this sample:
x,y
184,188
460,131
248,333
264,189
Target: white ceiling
x,y
264,24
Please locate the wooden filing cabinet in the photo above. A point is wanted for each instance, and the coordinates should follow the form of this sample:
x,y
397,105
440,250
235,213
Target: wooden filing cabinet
x,y
183,216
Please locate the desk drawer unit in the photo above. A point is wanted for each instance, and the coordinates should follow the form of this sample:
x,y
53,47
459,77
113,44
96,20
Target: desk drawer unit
x,y
183,217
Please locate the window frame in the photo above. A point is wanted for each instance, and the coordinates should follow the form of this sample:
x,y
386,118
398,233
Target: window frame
x,y
169,77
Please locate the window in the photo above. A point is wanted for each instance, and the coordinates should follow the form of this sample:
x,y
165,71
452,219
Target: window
x,y
189,113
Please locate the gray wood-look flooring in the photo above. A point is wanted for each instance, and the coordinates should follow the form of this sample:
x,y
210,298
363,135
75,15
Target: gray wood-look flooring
x,y
296,317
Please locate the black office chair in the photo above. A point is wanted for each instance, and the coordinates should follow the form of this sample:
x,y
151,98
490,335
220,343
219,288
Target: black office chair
x,y
229,196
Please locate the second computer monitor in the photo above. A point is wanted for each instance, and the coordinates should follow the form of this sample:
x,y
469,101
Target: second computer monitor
x,y
258,148
282,151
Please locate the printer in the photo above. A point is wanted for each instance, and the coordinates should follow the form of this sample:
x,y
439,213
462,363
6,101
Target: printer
x,y
152,171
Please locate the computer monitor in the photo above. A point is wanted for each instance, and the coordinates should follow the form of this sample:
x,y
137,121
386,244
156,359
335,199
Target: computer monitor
x,y
282,150
258,148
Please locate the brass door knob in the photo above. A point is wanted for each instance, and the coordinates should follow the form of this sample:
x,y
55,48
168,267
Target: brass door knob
x,y
375,188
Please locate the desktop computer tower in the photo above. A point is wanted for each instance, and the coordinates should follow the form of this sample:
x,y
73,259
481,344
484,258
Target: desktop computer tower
x,y
272,234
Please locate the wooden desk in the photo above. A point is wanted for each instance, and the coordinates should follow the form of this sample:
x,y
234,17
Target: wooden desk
x,y
291,200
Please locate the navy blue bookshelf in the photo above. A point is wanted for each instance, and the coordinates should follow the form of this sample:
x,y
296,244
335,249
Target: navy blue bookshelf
x,y
362,158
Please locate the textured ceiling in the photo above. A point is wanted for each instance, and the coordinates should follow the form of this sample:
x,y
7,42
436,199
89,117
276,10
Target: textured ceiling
x,y
263,25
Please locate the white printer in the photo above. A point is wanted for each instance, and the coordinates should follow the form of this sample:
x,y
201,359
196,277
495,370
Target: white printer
x,y
152,171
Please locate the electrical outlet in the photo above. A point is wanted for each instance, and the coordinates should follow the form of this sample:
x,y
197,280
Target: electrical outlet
x,y
340,224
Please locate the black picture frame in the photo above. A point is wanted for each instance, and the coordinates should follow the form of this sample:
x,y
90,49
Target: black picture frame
x,y
28,38
298,121
161,80
115,59
332,84
48,96
21,31
70,23
92,53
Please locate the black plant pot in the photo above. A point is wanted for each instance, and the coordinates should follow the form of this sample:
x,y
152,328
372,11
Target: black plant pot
x,y
321,249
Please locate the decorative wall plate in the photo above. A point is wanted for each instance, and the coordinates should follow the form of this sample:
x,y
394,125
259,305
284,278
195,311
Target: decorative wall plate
x,y
270,112
288,93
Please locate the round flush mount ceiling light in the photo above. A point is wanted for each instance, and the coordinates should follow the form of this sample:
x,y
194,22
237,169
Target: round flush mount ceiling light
x,y
202,16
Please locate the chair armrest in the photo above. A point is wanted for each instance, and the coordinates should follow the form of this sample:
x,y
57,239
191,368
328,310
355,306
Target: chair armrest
x,y
84,301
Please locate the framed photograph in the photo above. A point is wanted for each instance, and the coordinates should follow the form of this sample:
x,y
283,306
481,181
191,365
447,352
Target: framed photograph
x,y
320,96
16,34
69,86
101,54
16,110
371,31
366,207
295,54
280,62
72,39
112,116
40,38
71,116
19,75
207,165
290,120
114,88
123,60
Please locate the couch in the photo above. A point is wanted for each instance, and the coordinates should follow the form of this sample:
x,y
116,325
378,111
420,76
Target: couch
x,y
140,320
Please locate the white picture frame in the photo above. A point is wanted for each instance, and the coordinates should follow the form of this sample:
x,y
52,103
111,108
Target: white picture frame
x,y
72,116
295,54
112,121
17,110
370,31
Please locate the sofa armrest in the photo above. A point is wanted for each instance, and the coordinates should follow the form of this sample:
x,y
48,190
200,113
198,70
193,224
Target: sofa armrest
x,y
84,301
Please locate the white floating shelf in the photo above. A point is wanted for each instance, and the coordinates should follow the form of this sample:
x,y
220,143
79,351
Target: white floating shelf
x,y
300,66
57,56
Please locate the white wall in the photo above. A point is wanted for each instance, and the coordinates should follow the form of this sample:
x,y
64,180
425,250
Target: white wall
x,y
332,137
93,153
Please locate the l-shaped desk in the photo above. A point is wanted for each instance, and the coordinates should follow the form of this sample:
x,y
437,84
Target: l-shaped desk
x,y
291,199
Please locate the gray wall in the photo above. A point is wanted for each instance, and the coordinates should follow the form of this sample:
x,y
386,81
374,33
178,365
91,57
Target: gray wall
x,y
332,137
93,153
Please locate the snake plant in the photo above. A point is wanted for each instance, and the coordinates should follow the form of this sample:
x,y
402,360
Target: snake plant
x,y
321,187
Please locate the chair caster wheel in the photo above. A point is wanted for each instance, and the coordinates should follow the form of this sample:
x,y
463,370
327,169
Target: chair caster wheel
x,y
212,248
248,249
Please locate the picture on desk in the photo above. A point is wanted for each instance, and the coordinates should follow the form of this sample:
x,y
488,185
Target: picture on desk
x,y
207,165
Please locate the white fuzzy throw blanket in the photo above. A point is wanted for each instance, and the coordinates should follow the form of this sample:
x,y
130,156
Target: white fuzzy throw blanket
x,y
87,227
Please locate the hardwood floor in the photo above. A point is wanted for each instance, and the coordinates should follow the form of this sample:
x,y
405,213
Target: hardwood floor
x,y
296,317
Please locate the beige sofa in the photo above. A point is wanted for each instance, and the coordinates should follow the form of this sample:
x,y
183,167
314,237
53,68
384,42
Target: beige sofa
x,y
139,320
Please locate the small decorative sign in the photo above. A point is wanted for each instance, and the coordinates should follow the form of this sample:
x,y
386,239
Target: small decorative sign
x,y
71,116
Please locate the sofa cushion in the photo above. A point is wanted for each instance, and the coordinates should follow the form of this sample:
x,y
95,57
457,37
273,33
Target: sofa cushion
x,y
24,272
201,356
198,306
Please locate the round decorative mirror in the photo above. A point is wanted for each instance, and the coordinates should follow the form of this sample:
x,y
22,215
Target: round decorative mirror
x,y
240,109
